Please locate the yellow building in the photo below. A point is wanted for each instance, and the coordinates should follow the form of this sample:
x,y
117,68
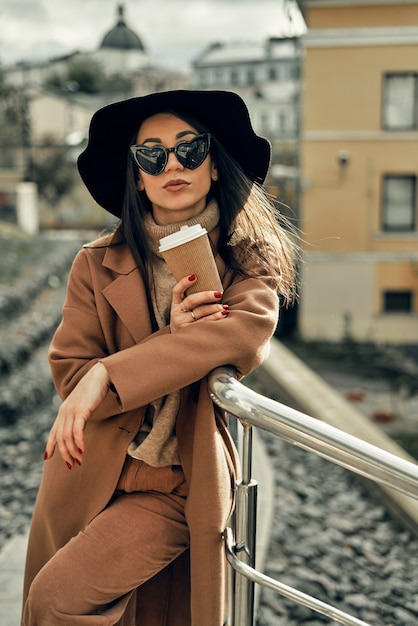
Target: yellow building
x,y
359,168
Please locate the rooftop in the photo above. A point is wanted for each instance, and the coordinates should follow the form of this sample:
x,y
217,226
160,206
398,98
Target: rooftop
x,y
122,37
247,51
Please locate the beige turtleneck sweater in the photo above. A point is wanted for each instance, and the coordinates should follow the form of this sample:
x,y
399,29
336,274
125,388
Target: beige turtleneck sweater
x,y
156,442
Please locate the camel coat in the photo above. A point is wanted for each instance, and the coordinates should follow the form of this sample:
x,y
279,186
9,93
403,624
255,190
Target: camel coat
x,y
106,318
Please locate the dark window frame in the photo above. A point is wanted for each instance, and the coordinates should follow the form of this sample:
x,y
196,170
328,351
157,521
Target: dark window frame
x,y
398,301
386,125
272,73
385,208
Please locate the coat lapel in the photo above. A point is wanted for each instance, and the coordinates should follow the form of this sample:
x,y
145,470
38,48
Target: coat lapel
x,y
126,293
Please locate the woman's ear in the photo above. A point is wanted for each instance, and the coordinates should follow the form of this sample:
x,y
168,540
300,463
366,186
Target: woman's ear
x,y
214,173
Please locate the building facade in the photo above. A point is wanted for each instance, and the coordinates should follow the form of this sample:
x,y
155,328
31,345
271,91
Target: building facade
x,y
267,76
359,168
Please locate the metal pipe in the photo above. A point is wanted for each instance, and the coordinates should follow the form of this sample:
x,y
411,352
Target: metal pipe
x,y
285,590
245,521
311,434
247,456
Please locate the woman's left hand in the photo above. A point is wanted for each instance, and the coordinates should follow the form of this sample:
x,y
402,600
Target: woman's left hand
x,y
67,431
186,310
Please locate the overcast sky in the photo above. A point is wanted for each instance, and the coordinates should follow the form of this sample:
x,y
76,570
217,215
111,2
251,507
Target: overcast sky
x,y
172,31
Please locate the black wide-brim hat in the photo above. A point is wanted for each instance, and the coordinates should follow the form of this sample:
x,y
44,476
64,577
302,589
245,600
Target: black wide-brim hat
x,y
102,165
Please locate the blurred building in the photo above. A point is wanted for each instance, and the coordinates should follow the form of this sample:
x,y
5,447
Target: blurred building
x,y
66,110
359,165
60,111
267,76
120,51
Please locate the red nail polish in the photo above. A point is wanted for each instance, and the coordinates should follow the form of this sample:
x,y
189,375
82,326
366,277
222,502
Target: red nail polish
x,y
217,294
78,462
192,277
225,313
80,451
226,307
69,465
45,456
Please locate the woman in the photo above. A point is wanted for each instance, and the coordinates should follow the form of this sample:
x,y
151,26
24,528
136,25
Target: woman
x,y
140,470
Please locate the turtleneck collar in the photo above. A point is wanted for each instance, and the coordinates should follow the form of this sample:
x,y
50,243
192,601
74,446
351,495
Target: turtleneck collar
x,y
209,219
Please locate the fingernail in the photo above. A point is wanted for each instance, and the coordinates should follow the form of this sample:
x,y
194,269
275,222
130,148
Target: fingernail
x,y
226,307
69,465
217,294
80,451
225,313
78,462
192,277
45,456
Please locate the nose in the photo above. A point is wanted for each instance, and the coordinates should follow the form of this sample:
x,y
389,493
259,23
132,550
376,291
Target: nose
x,y
172,161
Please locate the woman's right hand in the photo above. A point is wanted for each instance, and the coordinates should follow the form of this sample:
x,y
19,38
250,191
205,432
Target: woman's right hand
x,y
203,305
67,431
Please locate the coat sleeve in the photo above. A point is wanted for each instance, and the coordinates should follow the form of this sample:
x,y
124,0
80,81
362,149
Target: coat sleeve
x,y
163,363
79,341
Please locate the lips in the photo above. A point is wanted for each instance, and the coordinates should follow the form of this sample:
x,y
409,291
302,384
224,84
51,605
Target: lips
x,y
175,184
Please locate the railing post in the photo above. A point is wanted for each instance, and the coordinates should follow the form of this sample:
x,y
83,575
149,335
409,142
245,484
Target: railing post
x,y
245,527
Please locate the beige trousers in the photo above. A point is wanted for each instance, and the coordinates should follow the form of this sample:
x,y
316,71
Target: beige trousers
x,y
89,581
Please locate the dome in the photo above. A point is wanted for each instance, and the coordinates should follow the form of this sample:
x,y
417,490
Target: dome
x,y
121,36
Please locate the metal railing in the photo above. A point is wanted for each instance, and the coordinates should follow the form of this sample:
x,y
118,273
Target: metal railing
x,y
253,409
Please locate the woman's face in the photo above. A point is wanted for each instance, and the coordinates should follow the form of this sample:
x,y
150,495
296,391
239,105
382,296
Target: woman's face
x,y
178,193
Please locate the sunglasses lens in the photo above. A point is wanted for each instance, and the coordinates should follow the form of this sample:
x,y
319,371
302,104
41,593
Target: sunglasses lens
x,y
191,154
150,160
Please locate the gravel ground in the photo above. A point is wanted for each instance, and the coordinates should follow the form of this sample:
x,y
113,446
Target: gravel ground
x,y
330,539
22,446
33,274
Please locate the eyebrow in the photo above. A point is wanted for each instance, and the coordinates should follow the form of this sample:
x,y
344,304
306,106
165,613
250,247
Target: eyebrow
x,y
183,133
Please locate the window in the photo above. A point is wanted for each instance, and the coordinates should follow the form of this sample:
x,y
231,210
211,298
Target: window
x,y
218,75
399,203
234,77
201,78
250,77
400,101
397,301
295,73
264,121
282,121
286,71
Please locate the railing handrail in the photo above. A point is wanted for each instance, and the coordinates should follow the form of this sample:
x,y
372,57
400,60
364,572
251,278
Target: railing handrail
x,y
283,589
311,434
333,444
